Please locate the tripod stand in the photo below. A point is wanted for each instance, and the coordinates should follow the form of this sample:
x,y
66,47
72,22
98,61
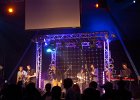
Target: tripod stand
x,y
68,72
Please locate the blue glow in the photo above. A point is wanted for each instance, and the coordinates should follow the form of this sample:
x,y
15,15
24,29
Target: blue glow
x,y
46,44
49,50
53,49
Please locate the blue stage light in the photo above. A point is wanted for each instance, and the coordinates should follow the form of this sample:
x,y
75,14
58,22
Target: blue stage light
x,y
49,50
53,49
46,44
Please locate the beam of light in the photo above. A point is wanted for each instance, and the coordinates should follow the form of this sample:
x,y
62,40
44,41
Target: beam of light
x,y
123,45
20,60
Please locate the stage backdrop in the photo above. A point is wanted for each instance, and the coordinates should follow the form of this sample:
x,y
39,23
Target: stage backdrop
x,y
43,14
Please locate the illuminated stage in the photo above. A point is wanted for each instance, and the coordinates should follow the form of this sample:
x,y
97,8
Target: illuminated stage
x,y
70,52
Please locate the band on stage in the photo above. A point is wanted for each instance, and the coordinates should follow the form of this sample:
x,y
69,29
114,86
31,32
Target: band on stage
x,y
85,75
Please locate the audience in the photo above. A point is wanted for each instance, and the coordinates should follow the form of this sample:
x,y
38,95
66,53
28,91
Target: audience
x,y
77,91
70,94
122,92
91,93
56,93
110,93
47,95
30,92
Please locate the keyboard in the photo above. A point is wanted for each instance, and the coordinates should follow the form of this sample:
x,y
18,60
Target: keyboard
x,y
127,79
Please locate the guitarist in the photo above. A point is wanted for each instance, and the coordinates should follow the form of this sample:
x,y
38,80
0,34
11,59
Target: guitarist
x,y
21,75
31,75
93,73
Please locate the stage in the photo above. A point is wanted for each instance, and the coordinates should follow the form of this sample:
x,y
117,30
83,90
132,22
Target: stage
x,y
70,52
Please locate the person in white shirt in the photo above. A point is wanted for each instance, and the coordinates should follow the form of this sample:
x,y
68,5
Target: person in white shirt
x,y
21,75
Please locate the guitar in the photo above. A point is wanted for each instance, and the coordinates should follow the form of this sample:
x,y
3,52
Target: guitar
x,y
28,78
21,76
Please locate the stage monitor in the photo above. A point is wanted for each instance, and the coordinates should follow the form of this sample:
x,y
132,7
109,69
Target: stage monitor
x,y
44,14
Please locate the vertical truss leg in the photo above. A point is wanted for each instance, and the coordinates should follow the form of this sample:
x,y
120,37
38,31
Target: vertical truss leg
x,y
53,57
38,64
53,62
106,60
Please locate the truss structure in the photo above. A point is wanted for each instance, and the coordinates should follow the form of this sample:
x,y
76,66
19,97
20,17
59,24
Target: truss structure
x,y
106,59
42,38
38,63
53,57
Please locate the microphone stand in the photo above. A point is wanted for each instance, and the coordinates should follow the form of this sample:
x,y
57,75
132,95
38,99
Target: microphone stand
x,y
69,68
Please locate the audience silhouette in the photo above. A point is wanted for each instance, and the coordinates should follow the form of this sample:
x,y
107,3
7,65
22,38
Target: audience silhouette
x,y
91,93
73,92
47,95
56,93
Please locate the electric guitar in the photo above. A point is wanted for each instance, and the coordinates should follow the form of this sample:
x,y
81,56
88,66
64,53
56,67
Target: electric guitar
x,y
28,78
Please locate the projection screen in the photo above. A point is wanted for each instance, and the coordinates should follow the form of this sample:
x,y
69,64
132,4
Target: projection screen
x,y
43,14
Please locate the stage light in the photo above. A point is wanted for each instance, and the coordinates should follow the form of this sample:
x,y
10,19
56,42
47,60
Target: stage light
x,y
46,44
53,49
10,10
49,50
134,1
97,5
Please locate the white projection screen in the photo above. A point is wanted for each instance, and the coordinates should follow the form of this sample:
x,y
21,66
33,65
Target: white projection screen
x,y
43,14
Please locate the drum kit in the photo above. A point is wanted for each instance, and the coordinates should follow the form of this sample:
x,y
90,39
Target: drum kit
x,y
81,77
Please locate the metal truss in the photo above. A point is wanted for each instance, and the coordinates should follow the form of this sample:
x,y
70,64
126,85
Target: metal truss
x,y
39,44
106,58
73,36
85,43
38,63
72,44
53,57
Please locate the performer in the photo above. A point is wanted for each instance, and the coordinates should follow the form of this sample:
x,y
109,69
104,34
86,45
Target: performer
x,y
110,72
55,76
93,73
21,75
31,75
52,72
81,79
126,72
81,76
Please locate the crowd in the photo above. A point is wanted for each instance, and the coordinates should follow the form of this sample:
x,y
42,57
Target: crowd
x,y
73,92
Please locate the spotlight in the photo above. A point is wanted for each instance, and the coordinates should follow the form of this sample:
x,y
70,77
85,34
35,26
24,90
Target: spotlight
x,y
97,5
46,44
49,50
134,1
53,49
5,81
10,10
